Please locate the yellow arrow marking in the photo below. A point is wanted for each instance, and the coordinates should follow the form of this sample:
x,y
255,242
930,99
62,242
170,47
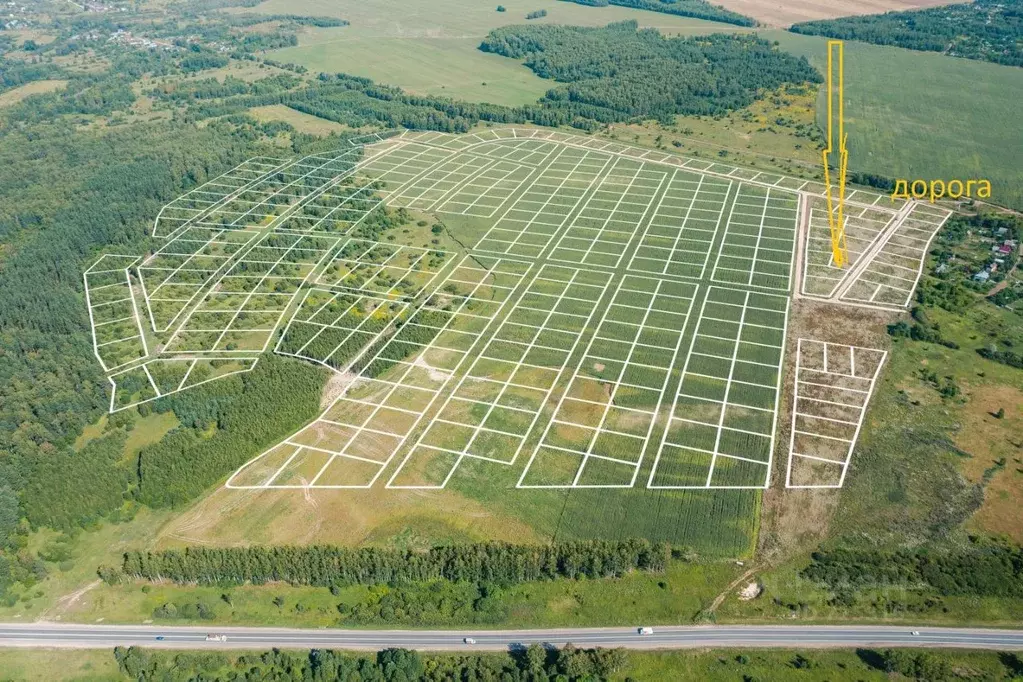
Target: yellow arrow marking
x,y
836,218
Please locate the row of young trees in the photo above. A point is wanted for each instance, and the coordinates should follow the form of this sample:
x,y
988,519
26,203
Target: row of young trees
x,y
327,565
988,30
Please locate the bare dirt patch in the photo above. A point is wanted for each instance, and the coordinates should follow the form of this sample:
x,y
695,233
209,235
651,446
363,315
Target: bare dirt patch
x,y
336,386
435,374
751,591
797,520
787,12
68,601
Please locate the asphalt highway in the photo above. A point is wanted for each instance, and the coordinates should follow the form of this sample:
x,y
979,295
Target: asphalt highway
x,y
684,637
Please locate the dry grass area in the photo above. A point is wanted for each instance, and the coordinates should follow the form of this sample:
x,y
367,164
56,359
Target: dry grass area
x,y
997,450
347,517
766,135
784,13
15,95
793,521
302,122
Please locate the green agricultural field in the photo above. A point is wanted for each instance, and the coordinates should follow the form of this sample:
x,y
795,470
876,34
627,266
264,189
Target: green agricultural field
x,y
431,47
921,115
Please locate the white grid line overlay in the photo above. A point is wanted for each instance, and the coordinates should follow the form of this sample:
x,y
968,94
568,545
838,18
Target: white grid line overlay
x,y
176,274
681,233
117,403
382,269
730,388
117,335
894,270
651,337
196,203
366,426
833,384
863,227
600,232
759,241
527,227
253,301
512,378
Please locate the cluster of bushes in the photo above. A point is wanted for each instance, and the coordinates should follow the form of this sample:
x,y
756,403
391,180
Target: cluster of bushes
x,y
921,329
437,602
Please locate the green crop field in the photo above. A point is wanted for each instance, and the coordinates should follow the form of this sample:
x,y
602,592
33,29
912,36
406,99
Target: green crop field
x,y
953,118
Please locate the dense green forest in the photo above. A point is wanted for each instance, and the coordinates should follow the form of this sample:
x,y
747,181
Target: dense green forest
x,y
67,193
620,73
988,30
697,9
330,565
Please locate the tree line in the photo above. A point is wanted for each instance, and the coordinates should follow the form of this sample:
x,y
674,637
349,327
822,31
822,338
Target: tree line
x,y
535,663
696,9
608,75
327,565
984,569
988,30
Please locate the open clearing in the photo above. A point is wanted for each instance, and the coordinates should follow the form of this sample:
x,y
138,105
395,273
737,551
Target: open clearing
x,y
15,95
595,339
302,122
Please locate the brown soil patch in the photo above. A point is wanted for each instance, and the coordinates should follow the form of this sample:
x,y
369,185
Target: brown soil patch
x,y
784,13
15,95
336,385
797,520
